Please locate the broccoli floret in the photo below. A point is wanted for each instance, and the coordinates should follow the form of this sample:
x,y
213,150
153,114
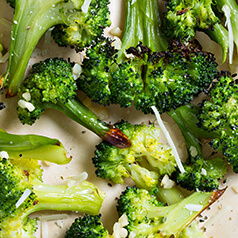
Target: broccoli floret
x,y
88,226
76,24
219,115
51,84
182,19
148,78
200,173
33,147
148,217
145,161
23,192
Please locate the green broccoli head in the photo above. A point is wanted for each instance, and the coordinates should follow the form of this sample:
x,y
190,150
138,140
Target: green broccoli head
x,y
148,78
49,82
202,174
88,226
83,26
219,114
145,161
147,217
183,18
23,193
51,85
13,215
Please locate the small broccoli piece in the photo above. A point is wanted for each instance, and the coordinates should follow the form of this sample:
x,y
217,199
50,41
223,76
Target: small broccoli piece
x,y
76,25
84,26
145,161
88,226
200,173
51,84
33,147
148,217
219,115
19,177
182,19
148,78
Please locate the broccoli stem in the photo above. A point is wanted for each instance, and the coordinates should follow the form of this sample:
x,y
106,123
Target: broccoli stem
x,y
232,4
220,35
78,112
31,20
142,25
169,196
33,147
83,197
174,195
186,118
171,213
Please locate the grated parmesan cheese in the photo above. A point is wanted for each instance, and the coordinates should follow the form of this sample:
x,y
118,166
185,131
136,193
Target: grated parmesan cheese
x,y
166,182
169,139
23,197
194,207
116,31
85,6
4,154
76,70
27,105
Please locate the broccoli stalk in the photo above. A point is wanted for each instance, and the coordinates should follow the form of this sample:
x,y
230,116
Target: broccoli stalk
x,y
50,84
142,24
147,216
32,18
22,176
171,196
200,173
33,147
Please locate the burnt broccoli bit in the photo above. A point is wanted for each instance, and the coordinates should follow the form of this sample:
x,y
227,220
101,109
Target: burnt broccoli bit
x,y
145,161
76,25
23,192
165,79
51,85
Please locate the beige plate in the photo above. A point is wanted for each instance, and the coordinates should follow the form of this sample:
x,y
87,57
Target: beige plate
x,y
222,217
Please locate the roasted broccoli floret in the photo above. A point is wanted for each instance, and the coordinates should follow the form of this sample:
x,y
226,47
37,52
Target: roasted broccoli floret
x,y
145,161
147,217
51,84
33,147
219,115
182,19
77,23
165,79
88,226
23,192
200,173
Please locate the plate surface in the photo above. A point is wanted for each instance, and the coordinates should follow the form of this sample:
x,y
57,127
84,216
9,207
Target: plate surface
x,y
80,143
